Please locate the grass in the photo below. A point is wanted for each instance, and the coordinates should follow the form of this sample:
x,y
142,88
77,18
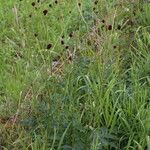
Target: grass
x,y
75,75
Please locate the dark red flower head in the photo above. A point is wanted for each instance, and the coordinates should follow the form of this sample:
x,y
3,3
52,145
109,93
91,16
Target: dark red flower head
x,y
109,27
67,47
45,12
96,2
49,46
33,4
79,4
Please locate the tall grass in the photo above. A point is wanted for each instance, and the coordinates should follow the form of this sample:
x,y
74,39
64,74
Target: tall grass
x,y
75,78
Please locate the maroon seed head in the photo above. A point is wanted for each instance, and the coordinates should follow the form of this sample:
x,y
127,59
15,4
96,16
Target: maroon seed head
x,y
79,4
103,21
45,12
35,34
62,42
67,47
49,46
119,27
94,8
114,46
96,2
71,35
33,4
109,27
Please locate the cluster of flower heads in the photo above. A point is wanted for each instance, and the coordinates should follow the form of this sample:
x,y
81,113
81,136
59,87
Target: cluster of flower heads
x,y
62,42
45,12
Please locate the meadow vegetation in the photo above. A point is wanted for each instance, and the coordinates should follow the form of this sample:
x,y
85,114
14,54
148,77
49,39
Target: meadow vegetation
x,y
74,75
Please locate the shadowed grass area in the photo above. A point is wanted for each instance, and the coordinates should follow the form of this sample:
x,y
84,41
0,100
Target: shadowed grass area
x,y
74,75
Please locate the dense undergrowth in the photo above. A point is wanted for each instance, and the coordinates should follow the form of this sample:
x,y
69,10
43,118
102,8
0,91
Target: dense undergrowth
x,y
75,75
